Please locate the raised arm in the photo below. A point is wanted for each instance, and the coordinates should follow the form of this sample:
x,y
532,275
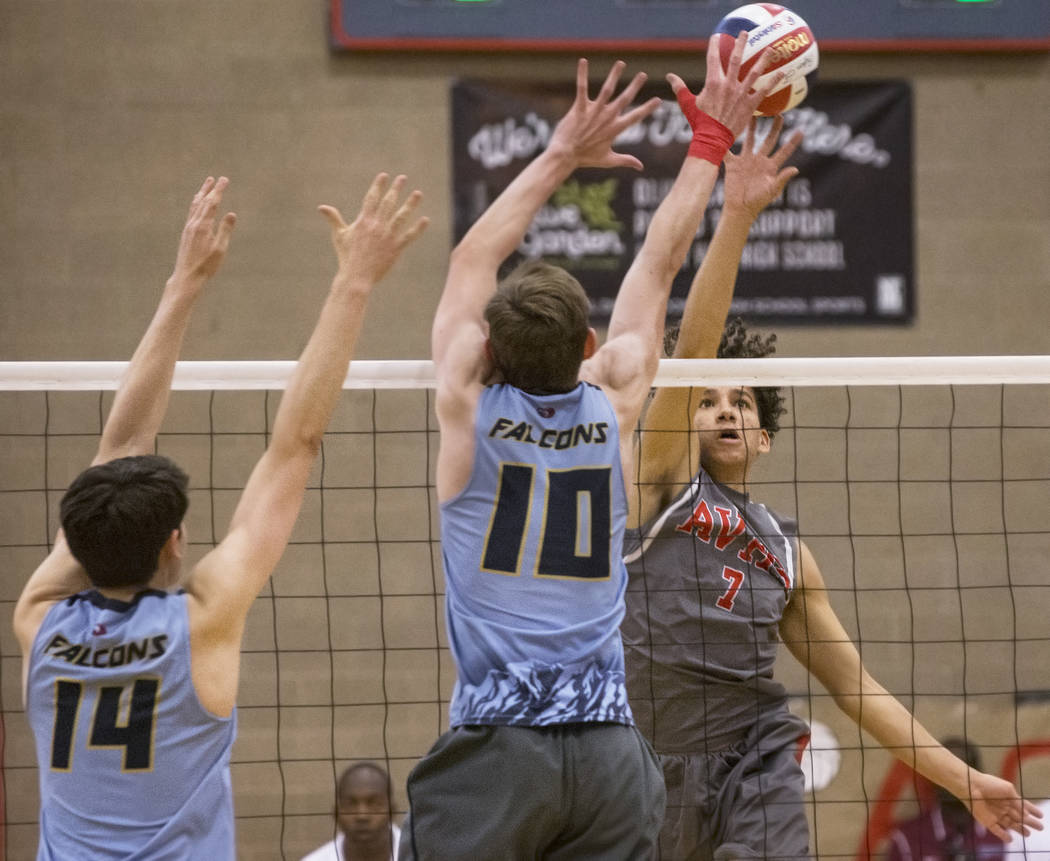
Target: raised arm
x,y
142,397
717,115
626,364
753,180
815,636
582,138
224,584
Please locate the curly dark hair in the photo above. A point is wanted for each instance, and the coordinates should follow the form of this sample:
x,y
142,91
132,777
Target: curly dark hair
x,y
739,343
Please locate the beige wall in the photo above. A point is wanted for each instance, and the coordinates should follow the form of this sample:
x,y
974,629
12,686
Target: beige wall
x,y
112,111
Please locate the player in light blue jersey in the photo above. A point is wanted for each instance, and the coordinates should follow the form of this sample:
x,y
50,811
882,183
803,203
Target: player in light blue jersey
x,y
129,681
543,759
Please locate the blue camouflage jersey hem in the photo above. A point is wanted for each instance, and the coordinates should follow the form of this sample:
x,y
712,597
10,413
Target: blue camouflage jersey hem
x,y
525,694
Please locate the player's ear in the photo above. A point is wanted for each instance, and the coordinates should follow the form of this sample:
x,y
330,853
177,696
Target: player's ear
x,y
764,443
590,346
173,546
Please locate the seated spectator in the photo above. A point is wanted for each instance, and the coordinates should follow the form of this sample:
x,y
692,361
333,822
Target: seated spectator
x,y
363,815
946,831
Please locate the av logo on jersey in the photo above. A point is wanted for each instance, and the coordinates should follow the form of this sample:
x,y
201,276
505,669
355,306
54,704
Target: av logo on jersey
x,y
721,526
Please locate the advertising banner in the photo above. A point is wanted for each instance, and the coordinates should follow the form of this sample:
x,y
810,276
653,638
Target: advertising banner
x,y
835,248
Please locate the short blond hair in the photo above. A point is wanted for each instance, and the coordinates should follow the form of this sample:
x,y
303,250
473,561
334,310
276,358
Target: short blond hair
x,y
538,323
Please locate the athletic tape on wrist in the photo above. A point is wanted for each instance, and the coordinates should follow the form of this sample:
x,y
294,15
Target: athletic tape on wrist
x,y
711,140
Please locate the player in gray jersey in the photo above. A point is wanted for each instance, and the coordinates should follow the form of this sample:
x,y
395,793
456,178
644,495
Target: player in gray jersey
x,y
717,580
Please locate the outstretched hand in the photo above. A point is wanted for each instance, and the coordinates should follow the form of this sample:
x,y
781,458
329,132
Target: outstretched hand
x,y
994,803
586,133
203,245
725,97
756,177
372,242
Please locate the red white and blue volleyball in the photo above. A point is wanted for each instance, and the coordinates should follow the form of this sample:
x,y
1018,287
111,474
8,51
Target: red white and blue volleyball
x,y
782,33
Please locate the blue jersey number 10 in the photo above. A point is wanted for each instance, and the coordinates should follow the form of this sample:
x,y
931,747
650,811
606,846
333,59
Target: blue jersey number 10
x,y
574,541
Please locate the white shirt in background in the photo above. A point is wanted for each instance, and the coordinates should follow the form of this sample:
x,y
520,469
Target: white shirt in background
x,y
334,850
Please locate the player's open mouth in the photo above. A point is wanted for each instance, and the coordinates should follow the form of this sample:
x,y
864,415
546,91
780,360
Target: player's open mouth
x,y
728,435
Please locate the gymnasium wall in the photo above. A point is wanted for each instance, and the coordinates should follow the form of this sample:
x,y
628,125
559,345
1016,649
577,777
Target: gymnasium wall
x,y
111,113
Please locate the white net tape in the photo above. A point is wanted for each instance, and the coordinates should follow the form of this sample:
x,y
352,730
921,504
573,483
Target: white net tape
x,y
416,374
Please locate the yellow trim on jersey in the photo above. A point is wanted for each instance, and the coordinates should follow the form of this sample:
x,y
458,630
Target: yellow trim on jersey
x,y
123,720
492,519
576,549
76,722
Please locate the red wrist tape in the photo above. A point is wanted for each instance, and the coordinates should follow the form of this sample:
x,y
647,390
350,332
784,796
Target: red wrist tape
x,y
711,140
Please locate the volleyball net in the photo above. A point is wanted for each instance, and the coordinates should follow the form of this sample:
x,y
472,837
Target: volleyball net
x,y
922,485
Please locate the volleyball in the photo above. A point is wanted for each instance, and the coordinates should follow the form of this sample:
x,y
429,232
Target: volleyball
x,y
782,32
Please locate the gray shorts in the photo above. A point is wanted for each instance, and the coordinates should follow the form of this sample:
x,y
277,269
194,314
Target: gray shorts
x,y
741,802
567,793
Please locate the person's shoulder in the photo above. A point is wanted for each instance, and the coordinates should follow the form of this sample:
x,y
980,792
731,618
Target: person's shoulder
x,y
625,386
788,524
911,832
328,852
586,387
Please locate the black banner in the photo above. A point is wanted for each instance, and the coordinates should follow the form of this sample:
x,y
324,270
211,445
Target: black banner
x,y
836,248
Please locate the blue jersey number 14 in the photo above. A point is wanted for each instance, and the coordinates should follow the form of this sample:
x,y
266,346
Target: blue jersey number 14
x,y
135,735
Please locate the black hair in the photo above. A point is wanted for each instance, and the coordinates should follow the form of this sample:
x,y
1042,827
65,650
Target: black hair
x,y
343,786
740,343
117,516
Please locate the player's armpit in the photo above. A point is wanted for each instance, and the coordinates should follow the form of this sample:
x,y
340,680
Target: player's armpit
x,y
460,313
624,368
456,408
57,577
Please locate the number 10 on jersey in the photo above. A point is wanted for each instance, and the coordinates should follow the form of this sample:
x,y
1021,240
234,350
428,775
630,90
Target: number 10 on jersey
x,y
573,542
